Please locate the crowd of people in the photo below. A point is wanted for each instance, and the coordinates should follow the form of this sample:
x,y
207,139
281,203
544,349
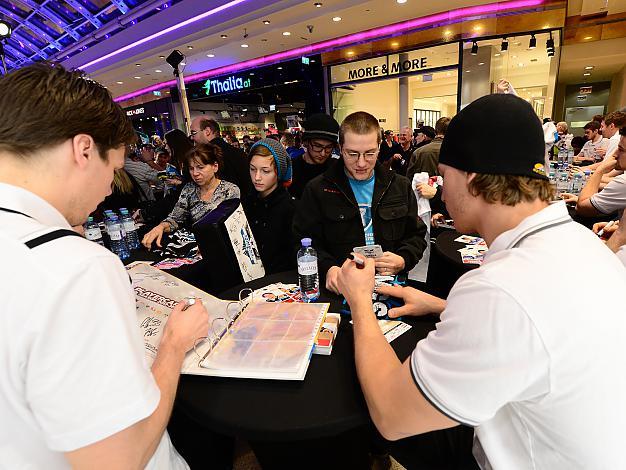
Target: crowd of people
x,y
516,354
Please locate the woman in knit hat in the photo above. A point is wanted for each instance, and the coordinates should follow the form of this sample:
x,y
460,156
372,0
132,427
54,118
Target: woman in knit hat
x,y
270,208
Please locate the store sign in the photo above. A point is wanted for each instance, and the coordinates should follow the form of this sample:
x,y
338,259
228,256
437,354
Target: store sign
x,y
226,85
401,66
135,112
585,90
396,64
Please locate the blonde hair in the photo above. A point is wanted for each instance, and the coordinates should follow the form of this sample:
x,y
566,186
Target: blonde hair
x,y
122,182
509,189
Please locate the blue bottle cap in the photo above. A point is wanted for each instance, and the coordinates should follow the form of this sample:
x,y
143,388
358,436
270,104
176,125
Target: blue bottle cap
x,y
306,242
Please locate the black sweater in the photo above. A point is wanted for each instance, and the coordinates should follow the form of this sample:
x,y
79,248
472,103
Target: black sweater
x,y
270,220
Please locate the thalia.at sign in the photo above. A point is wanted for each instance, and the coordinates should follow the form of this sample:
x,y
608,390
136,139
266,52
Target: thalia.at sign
x,y
231,83
135,112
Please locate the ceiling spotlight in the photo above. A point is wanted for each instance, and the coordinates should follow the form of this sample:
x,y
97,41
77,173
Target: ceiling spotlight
x,y
395,44
586,38
137,65
474,50
279,68
401,1
586,74
318,5
286,33
336,18
5,30
189,47
505,45
550,49
158,71
266,21
138,78
589,67
533,42
210,55
120,83
497,54
161,57
245,45
223,36
350,52
481,63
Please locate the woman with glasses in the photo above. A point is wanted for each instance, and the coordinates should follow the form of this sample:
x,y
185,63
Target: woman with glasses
x,y
197,198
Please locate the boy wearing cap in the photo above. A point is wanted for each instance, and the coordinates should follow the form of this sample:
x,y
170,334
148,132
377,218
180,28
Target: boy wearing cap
x,y
320,137
270,208
357,202
540,382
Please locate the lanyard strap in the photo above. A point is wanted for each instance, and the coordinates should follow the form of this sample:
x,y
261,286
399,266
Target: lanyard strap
x,y
46,237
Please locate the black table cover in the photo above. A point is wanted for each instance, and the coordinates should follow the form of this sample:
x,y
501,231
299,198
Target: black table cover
x,y
328,402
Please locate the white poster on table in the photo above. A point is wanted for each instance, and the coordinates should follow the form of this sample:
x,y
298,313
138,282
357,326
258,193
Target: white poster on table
x,y
244,245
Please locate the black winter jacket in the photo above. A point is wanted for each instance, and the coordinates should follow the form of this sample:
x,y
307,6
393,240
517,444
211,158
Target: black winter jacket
x,y
270,219
328,213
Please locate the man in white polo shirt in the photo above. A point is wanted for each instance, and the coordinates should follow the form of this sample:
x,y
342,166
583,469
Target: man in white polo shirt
x,y
517,355
75,390
591,201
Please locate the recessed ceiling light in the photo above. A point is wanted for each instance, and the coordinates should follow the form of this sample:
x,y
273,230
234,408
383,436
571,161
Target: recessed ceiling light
x,y
279,68
481,63
251,73
497,54
350,52
183,63
138,78
244,45
286,33
586,74
467,71
589,67
447,32
161,57
137,65
336,18
312,61
189,47
223,36
513,57
266,21
401,1
395,44
318,5
210,55
521,64
120,83
478,27
587,38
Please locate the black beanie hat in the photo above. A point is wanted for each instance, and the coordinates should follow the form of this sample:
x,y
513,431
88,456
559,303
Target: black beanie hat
x,y
497,134
321,126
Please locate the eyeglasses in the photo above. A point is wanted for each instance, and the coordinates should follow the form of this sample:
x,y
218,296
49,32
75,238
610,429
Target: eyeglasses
x,y
322,148
353,155
192,133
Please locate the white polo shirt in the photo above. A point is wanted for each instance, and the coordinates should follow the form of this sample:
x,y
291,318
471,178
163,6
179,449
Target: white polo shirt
x,y
72,366
536,368
612,198
613,144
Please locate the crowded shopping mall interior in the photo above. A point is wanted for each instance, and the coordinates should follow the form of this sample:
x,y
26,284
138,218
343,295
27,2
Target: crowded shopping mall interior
x,y
291,234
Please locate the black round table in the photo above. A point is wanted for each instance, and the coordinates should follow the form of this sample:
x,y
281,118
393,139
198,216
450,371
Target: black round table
x,y
326,403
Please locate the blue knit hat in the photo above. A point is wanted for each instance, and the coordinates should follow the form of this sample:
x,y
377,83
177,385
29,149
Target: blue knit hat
x,y
281,159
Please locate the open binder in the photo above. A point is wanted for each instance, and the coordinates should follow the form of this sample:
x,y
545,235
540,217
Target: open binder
x,y
246,338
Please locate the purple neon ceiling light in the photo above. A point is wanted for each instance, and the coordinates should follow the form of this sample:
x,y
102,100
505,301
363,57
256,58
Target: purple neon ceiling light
x,y
445,17
182,24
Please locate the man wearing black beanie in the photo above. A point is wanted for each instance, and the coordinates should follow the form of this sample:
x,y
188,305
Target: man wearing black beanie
x,y
515,354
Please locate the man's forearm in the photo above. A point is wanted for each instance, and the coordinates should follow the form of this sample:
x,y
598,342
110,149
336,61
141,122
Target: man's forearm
x,y
617,240
376,363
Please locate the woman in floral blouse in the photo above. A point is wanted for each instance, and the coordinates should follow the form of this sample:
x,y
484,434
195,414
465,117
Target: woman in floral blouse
x,y
198,198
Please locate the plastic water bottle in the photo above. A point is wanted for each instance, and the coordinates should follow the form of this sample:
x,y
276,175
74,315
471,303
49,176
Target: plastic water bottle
x,y
552,178
116,235
587,175
129,227
562,183
308,276
577,184
92,232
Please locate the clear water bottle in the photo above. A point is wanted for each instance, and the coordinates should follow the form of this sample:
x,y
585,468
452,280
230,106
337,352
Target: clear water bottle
x,y
562,156
308,276
116,235
132,239
587,175
577,184
562,183
92,231
552,178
